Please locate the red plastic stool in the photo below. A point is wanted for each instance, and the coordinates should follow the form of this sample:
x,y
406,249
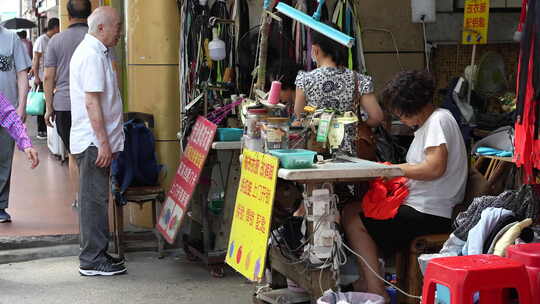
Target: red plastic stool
x,y
484,273
528,254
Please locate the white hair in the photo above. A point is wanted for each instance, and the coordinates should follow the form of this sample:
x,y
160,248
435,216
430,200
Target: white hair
x,y
99,17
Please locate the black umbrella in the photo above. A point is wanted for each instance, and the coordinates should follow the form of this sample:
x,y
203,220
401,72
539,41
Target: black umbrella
x,y
18,23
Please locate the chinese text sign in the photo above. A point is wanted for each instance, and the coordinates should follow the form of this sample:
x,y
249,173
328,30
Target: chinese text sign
x,y
252,214
475,22
187,177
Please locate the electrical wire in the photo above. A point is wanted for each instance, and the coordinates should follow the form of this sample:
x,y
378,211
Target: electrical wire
x,y
379,276
393,40
425,42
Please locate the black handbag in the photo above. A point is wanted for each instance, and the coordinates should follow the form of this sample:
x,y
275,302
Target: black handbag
x,y
387,147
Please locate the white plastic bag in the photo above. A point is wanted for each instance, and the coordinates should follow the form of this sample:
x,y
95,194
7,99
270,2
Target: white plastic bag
x,y
332,297
55,143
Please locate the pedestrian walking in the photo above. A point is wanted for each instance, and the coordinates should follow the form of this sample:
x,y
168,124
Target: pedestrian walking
x,y
40,49
57,59
12,123
96,136
23,35
14,63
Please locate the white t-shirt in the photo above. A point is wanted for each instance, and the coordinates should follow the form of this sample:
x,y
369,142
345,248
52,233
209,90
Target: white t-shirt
x,y
438,197
91,71
41,47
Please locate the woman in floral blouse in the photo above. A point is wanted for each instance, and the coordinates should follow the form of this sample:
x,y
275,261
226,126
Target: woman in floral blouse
x,y
333,86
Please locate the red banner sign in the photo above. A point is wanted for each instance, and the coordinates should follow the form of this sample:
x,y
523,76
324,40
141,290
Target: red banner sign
x,y
186,179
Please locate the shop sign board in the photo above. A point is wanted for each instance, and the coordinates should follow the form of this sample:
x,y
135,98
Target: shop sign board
x,y
186,179
250,229
475,22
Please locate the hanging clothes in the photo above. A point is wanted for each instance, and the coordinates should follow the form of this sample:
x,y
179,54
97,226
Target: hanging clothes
x,y
527,125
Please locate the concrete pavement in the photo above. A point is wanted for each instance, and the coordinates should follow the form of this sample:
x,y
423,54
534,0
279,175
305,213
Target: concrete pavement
x,y
149,280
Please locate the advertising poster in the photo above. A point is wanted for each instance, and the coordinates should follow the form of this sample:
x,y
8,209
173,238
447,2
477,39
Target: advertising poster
x,y
248,241
186,179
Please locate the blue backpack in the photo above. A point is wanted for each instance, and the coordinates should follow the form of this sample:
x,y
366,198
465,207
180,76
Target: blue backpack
x,y
137,165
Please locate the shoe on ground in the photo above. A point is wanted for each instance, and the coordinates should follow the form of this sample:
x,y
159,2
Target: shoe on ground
x,y
41,135
103,269
4,216
115,261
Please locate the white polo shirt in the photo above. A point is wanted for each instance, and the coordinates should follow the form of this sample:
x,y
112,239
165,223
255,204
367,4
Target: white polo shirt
x,y
91,71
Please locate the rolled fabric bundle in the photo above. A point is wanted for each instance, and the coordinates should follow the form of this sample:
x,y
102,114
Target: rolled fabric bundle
x,y
275,90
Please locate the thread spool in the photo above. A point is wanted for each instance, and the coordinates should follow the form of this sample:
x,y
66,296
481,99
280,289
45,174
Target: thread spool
x,y
275,90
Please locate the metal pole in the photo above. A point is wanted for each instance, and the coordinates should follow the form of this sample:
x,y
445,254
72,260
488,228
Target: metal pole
x,y
473,70
263,52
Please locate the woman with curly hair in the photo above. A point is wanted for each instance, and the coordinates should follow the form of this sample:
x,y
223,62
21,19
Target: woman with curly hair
x,y
436,168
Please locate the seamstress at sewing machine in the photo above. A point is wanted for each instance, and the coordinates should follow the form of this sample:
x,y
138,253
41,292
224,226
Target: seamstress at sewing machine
x,y
333,86
436,168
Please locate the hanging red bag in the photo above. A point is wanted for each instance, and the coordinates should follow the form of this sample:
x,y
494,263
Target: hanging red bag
x,y
382,200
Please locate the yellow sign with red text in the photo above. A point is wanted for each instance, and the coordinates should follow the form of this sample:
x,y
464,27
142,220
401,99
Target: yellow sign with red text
x,y
475,22
252,214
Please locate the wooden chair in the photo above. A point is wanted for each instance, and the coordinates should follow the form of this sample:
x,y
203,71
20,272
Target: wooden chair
x,y
139,195
407,267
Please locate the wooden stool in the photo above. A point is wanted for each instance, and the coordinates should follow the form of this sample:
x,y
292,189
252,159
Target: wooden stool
x,y
140,195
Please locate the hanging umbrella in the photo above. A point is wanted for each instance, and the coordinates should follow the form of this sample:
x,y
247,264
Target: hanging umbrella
x,y
18,23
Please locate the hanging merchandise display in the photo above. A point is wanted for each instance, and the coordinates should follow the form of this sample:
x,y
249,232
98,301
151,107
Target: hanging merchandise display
x,y
526,141
208,60
518,33
315,24
343,18
216,47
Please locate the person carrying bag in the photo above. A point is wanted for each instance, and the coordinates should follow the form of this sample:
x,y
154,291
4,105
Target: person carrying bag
x,y
35,102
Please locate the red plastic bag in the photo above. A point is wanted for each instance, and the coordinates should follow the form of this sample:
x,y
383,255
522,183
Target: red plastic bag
x,y
384,197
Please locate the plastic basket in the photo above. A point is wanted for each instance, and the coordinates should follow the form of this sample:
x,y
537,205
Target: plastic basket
x,y
294,158
229,134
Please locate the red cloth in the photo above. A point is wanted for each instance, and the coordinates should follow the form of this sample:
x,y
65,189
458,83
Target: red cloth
x,y
526,146
524,155
384,197
523,15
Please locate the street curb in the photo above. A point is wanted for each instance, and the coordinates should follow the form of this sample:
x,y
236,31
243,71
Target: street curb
x,y
25,242
29,254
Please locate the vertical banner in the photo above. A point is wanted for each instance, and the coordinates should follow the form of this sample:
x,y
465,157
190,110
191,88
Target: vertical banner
x,y
186,179
475,22
248,242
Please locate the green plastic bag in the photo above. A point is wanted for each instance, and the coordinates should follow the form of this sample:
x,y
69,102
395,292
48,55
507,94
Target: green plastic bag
x,y
35,103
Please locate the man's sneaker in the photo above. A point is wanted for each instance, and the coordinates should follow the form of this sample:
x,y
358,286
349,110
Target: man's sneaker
x,y
41,135
103,269
115,261
4,216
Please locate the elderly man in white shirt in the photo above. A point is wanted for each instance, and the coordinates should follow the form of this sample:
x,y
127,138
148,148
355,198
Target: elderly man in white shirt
x,y
96,135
